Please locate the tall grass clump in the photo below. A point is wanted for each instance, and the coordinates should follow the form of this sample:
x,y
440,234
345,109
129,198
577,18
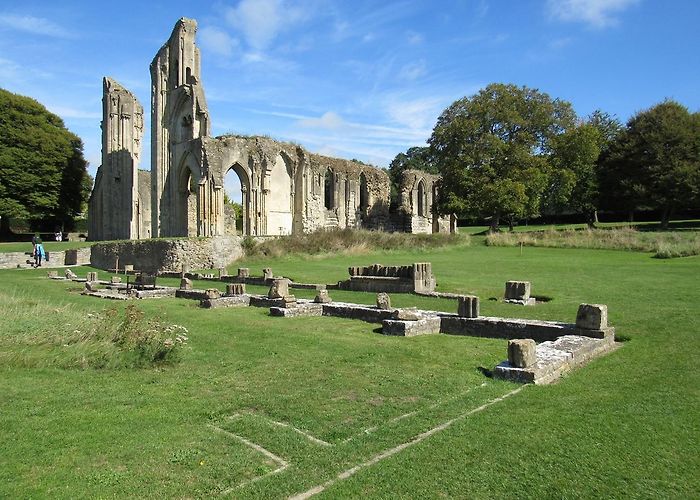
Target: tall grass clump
x,y
39,334
349,242
665,244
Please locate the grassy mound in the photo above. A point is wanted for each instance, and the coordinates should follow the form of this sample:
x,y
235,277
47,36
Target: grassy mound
x,y
664,245
348,242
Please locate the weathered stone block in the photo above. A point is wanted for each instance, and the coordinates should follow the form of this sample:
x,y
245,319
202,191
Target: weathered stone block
x,y
278,289
90,286
235,288
406,315
128,268
222,272
267,273
92,276
468,306
322,297
212,293
52,274
185,284
521,352
383,301
592,317
243,272
70,274
517,290
289,301
115,280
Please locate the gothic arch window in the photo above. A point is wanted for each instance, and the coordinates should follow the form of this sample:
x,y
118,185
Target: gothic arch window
x,y
328,190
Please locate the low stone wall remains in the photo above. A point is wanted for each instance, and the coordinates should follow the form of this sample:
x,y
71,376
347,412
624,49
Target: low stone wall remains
x,y
74,257
170,255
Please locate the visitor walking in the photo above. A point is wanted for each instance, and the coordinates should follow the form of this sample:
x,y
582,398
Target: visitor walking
x,y
39,253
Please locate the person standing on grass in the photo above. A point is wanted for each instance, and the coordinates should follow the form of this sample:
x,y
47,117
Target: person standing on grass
x,y
39,253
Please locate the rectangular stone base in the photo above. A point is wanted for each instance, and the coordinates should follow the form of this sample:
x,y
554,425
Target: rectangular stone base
x,y
522,302
228,301
307,309
407,328
556,358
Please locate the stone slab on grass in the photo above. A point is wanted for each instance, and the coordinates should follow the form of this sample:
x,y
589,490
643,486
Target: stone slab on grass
x,y
305,309
556,358
242,300
411,328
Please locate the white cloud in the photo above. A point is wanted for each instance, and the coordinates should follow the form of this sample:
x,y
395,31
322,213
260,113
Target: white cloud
x,y
417,114
10,71
414,38
412,71
34,25
75,113
329,120
217,41
261,21
597,13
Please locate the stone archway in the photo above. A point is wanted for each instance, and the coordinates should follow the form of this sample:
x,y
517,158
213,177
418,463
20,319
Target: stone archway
x,y
280,201
187,221
244,180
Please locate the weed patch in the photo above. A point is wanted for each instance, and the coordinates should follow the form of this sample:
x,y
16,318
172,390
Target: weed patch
x,y
664,245
37,334
349,242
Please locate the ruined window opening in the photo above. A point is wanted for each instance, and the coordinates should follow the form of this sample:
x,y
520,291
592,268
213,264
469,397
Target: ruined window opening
x,y
421,199
364,193
328,190
188,75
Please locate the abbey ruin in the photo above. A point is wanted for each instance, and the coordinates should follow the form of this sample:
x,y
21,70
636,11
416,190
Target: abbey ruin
x,y
285,189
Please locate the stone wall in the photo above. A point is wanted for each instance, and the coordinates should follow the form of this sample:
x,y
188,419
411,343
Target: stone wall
x,y
168,254
12,260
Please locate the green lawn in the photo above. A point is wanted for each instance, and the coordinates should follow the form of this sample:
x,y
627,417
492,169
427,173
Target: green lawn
x,y
49,246
627,425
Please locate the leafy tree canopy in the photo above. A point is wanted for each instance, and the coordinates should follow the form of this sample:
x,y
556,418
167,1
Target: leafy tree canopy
x,y
492,151
655,161
43,175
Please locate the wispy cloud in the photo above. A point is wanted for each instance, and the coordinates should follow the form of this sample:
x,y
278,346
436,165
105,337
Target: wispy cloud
x,y
34,25
217,41
413,71
11,71
596,13
261,21
74,113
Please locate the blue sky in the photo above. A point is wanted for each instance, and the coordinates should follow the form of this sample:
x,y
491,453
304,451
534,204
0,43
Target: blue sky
x,y
361,79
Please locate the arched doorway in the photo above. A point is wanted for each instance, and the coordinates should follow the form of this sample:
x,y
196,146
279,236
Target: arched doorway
x,y
237,191
422,201
328,190
279,201
187,223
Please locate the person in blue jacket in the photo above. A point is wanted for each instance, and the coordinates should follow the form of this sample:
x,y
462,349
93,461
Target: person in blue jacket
x,y
39,252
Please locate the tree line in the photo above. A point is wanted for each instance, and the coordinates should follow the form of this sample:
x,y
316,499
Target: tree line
x,y
43,174
510,153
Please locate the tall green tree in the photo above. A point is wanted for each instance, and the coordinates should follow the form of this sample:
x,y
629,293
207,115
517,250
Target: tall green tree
x,y
655,162
43,175
492,150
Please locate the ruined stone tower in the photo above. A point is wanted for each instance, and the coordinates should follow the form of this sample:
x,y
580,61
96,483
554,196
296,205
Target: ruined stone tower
x,y
120,201
178,115
284,188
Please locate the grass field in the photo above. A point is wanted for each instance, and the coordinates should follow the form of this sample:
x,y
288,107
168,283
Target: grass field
x,y
262,407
